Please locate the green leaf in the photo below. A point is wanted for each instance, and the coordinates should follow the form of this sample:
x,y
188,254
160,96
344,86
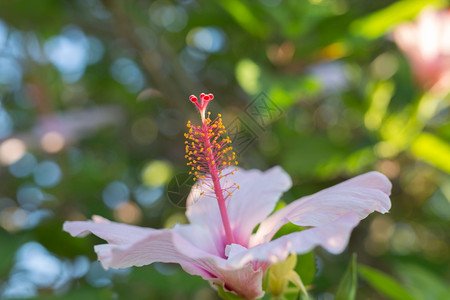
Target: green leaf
x,y
384,284
306,267
245,17
422,282
227,295
347,286
433,150
287,229
381,21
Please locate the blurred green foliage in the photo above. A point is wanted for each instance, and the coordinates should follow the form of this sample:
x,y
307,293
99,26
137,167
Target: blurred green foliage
x,y
111,79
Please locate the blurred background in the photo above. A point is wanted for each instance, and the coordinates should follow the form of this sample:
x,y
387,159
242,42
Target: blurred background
x,y
94,102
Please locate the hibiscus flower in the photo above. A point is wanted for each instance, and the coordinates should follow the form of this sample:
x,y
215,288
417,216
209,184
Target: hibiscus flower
x,y
426,44
220,243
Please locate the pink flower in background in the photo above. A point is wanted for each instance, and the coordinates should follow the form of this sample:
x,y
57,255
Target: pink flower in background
x,y
225,207
426,44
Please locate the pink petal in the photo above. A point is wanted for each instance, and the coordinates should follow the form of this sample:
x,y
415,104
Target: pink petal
x,y
332,236
244,281
360,195
258,194
426,44
253,202
113,233
188,245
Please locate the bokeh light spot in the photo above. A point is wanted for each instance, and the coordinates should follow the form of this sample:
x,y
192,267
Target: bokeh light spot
x,y
11,150
156,173
10,73
30,197
128,212
172,18
47,174
148,196
52,142
13,219
24,166
115,194
247,74
177,218
6,124
126,72
72,43
384,66
207,39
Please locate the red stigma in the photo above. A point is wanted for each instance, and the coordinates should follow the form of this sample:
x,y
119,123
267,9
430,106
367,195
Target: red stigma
x,y
193,98
205,98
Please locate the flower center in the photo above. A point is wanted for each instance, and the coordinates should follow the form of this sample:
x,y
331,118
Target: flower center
x,y
211,157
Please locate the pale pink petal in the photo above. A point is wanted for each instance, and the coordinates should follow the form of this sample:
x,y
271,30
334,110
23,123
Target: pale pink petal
x,y
258,194
332,236
428,34
244,281
255,199
121,236
360,195
444,41
405,37
113,233
204,211
188,245
426,44
170,246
